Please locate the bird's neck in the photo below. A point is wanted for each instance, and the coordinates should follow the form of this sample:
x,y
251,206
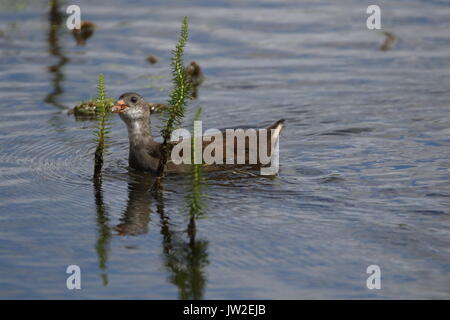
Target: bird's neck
x,y
139,132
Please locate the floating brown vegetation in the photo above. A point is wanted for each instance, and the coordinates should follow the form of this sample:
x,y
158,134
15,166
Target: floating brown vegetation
x,y
389,41
196,77
86,31
152,59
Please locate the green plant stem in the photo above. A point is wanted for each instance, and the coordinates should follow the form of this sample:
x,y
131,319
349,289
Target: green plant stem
x,y
178,97
195,203
102,127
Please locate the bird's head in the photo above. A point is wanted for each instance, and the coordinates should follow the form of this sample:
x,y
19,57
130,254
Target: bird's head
x,y
131,107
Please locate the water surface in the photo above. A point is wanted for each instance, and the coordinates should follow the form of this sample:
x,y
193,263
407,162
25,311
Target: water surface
x,y
364,157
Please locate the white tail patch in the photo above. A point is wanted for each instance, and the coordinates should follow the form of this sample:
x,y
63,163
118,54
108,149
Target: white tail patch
x,y
277,131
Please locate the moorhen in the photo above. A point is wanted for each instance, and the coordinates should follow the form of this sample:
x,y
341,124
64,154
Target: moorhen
x,y
144,152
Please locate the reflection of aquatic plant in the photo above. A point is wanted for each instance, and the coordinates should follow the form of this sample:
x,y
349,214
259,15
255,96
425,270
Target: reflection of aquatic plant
x,y
56,20
185,260
174,115
104,232
102,126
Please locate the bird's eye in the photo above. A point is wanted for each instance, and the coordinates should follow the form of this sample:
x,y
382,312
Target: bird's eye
x,y
134,99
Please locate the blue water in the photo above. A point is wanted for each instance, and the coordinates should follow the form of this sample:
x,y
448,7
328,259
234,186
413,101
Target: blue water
x,y
364,177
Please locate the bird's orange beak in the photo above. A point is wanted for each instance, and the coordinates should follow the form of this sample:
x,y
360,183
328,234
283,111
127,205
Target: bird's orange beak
x,y
119,107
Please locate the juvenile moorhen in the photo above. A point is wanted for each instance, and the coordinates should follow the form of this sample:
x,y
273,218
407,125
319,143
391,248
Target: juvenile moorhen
x,y
144,152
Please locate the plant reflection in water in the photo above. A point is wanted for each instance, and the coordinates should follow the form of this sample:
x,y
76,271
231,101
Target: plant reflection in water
x,y
185,256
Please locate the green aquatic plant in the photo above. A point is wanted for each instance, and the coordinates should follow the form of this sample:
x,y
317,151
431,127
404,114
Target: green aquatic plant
x,y
185,261
195,201
102,105
174,114
102,128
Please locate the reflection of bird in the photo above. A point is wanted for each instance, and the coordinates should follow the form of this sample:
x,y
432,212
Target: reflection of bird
x,y
389,41
136,216
86,31
145,151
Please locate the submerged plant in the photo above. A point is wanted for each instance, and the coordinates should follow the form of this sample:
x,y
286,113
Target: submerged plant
x,y
102,128
179,95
